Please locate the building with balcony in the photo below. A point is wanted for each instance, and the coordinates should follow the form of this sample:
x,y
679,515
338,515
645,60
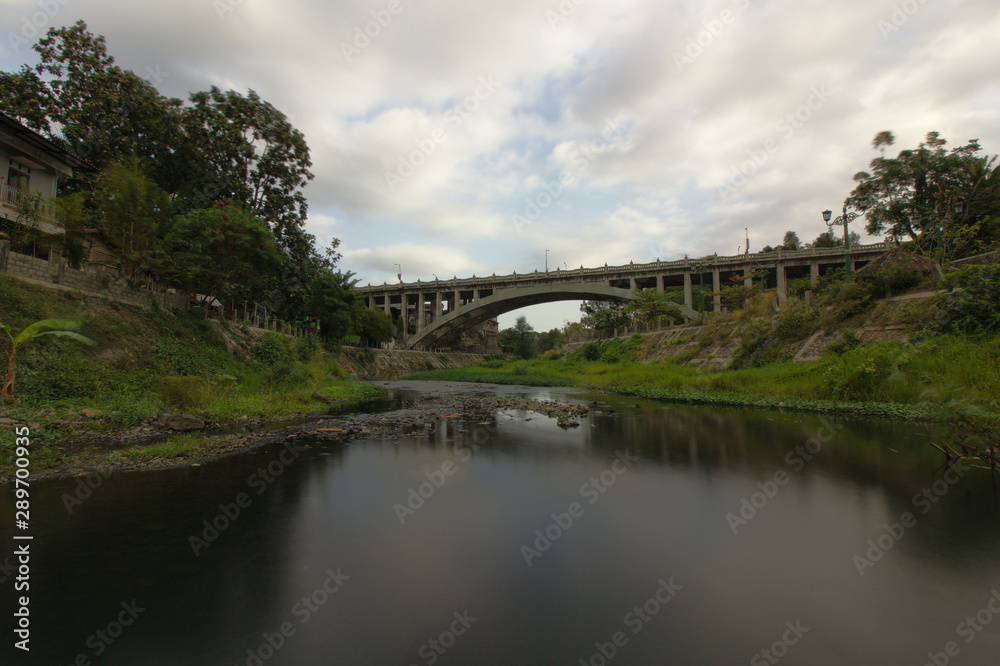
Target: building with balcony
x,y
30,168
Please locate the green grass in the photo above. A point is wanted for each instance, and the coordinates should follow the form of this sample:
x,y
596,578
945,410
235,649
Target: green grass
x,y
179,446
895,379
145,363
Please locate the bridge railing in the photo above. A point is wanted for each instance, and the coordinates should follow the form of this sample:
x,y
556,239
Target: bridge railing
x,y
710,262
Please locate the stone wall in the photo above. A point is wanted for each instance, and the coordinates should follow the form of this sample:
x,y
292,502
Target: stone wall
x,y
58,275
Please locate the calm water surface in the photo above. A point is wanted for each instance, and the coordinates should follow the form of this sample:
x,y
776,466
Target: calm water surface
x,y
657,534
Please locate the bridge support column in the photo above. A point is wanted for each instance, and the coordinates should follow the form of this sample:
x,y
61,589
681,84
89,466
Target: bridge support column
x,y
387,305
458,300
631,284
420,311
747,280
716,286
438,303
813,273
659,283
688,299
782,285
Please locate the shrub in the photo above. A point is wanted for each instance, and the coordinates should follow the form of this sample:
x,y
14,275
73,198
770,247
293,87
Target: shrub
x,y
185,391
861,373
272,348
973,304
305,348
845,343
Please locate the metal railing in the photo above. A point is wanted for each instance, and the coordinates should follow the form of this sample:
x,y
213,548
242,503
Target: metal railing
x,y
12,198
710,262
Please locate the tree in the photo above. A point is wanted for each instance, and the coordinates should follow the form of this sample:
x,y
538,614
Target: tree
x,y
223,250
830,239
373,326
652,306
918,192
791,241
244,149
553,339
604,316
519,340
133,212
65,328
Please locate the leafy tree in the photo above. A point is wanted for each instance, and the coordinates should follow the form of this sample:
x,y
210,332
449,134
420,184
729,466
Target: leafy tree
x,y
223,250
94,108
916,194
651,306
519,340
604,316
373,326
553,339
23,96
830,239
132,211
791,241
244,149
47,327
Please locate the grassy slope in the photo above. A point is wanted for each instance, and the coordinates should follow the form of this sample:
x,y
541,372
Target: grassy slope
x,y
123,376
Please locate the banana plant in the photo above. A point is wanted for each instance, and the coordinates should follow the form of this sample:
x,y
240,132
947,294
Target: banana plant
x,y
63,328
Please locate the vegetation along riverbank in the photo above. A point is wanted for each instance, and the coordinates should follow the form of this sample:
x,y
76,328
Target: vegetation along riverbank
x,y
897,344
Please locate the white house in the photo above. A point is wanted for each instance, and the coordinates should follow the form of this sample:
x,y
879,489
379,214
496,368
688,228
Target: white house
x,y
30,166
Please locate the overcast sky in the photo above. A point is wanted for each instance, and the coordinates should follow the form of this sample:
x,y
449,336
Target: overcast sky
x,y
460,138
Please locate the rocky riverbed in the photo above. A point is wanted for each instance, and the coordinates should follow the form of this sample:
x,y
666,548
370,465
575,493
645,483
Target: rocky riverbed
x,y
419,414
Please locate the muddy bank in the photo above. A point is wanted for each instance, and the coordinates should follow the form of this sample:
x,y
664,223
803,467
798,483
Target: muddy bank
x,y
417,414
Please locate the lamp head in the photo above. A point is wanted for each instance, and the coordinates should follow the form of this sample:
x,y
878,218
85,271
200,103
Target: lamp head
x,y
827,214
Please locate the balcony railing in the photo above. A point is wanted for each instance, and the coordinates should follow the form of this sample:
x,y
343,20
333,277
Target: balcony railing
x,y
11,198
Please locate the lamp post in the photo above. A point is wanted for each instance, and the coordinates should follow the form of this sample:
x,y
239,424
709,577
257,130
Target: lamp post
x,y
844,220
546,261
399,273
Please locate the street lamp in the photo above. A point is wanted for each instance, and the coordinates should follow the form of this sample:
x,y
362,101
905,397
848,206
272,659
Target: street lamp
x,y
843,220
546,261
399,273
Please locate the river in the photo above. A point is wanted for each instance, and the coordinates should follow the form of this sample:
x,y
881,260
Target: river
x,y
650,534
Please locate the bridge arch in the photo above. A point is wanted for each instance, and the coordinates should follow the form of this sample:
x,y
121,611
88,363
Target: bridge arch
x,y
506,300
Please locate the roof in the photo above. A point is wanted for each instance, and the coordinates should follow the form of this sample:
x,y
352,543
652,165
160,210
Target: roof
x,y
36,140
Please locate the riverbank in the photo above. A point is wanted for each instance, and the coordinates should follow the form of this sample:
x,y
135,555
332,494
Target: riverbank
x,y
894,379
418,415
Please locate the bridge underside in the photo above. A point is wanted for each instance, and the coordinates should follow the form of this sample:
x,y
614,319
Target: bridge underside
x,y
473,314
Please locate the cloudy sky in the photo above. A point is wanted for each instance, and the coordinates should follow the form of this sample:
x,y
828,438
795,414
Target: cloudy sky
x,y
458,137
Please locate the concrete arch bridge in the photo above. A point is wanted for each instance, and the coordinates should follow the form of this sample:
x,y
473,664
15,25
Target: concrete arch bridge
x,y
438,311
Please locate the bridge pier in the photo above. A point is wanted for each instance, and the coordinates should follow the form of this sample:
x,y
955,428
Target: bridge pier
x,y
688,298
716,287
747,280
813,273
782,284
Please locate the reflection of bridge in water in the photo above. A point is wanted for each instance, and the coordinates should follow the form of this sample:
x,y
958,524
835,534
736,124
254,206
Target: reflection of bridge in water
x,y
439,310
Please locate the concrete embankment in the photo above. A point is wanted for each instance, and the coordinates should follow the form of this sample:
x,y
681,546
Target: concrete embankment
x,y
385,364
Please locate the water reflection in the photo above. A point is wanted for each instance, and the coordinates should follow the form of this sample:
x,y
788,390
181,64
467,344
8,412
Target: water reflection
x,y
609,513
